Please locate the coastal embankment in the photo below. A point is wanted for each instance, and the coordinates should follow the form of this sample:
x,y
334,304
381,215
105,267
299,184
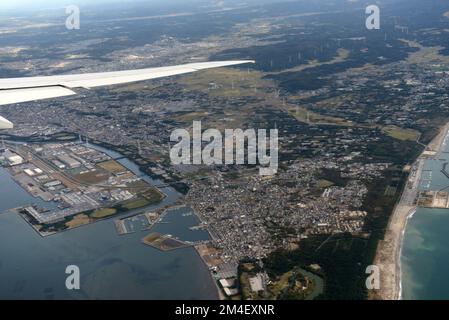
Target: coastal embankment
x,y
388,254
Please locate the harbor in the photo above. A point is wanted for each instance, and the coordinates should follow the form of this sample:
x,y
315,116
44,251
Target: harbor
x,y
424,256
112,266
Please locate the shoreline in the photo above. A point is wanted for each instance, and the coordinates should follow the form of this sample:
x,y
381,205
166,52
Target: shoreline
x,y
221,295
116,215
178,203
398,258
389,249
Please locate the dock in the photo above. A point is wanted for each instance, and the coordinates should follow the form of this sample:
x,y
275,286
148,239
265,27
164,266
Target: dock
x,y
433,199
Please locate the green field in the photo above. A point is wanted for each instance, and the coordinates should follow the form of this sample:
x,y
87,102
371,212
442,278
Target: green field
x,y
401,134
112,166
324,183
136,204
103,213
390,191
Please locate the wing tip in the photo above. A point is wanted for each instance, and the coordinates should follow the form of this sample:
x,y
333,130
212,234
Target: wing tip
x,y
5,124
242,61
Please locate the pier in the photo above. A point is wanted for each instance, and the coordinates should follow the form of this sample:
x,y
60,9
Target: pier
x,y
443,170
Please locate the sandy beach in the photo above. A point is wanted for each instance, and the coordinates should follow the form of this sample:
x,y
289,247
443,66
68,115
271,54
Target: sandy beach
x,y
388,254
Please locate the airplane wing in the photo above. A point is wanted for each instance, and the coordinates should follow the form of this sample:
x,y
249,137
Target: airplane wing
x,y
16,90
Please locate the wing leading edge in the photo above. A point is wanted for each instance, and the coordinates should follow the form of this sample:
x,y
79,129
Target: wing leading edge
x,y
16,90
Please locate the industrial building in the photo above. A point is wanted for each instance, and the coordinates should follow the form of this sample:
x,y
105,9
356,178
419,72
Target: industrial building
x,y
14,160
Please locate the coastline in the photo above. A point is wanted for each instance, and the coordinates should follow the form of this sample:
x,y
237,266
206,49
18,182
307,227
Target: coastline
x,y
194,286
221,295
178,203
398,258
388,253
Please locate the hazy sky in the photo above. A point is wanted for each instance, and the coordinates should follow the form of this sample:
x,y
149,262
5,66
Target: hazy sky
x,y
25,5
21,4
32,4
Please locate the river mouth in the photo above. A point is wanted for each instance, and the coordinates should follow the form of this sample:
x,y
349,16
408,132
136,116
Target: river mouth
x,y
111,266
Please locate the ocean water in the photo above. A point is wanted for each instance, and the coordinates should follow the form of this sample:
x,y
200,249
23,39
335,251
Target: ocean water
x,y
12,195
425,252
111,266
425,256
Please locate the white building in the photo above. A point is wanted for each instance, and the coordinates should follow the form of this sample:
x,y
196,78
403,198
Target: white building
x,y
15,160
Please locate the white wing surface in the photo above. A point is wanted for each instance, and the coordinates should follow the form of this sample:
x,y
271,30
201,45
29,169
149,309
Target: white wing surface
x,y
16,90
